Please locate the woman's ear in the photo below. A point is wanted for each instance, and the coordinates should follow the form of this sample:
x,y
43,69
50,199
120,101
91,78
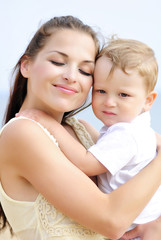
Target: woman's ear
x,y
25,67
149,100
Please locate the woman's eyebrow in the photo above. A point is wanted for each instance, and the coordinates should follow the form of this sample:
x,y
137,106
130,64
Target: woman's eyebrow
x,y
61,53
65,55
88,61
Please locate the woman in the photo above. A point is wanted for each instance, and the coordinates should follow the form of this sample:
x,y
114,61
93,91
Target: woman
x,y
37,181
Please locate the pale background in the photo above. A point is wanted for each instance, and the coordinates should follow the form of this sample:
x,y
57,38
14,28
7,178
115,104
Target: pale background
x,y
137,19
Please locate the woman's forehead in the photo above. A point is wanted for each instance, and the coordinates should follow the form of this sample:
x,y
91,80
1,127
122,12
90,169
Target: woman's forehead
x,y
71,42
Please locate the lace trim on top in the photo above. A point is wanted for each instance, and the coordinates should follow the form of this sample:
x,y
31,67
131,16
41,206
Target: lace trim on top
x,y
80,131
55,223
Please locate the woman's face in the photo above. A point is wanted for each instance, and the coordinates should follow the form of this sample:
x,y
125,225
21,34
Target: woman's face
x,y
60,76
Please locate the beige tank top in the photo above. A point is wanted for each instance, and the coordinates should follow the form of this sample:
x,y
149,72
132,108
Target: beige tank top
x,y
40,220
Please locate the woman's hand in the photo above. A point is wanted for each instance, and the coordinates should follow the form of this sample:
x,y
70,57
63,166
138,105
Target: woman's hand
x,y
147,231
158,137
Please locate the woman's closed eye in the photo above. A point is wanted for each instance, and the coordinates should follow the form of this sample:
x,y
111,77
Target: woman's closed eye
x,y
62,64
57,63
85,73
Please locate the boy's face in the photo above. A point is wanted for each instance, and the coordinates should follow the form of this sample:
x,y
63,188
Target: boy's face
x,y
118,97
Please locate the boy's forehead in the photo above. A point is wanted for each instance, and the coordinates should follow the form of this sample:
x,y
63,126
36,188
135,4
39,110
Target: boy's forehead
x,y
104,60
106,66
103,66
104,73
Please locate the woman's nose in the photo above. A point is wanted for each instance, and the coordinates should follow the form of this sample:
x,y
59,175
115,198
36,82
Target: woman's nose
x,y
70,74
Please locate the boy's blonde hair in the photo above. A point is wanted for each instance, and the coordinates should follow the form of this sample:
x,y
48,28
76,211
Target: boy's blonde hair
x,y
132,54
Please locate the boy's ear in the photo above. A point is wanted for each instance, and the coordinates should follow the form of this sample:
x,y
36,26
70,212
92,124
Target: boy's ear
x,y
149,100
25,67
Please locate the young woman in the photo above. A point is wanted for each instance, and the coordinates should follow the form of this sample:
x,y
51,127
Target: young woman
x,y
39,186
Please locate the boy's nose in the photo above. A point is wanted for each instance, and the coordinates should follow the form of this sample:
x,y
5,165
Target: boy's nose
x,y
110,101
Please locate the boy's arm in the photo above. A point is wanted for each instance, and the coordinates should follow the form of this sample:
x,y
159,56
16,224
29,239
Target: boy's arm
x,y
72,149
91,130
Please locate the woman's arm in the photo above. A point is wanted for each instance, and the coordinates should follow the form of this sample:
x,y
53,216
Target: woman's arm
x,y
37,160
79,156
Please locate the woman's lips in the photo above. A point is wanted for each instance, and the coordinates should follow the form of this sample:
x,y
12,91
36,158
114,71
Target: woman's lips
x,y
66,89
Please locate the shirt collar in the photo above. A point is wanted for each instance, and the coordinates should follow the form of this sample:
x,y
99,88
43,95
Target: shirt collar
x,y
143,119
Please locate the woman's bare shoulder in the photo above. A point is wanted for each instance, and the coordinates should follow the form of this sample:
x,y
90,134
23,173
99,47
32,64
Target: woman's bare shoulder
x,y
18,128
22,134
26,146
91,130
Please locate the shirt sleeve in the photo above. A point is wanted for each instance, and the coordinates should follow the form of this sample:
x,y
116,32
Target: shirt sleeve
x,y
115,148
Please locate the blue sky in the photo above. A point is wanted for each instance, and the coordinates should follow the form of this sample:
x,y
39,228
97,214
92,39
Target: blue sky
x,y
137,19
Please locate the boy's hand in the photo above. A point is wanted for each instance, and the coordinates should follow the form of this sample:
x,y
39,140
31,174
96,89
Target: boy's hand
x,y
33,114
39,116
147,231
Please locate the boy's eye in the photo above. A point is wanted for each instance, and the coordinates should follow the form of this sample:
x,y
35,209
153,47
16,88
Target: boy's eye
x,y
57,63
124,95
85,73
101,91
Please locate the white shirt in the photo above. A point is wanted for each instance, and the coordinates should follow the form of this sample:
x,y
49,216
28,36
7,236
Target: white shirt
x,y
124,149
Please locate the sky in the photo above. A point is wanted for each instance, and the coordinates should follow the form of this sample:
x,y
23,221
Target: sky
x,y
135,19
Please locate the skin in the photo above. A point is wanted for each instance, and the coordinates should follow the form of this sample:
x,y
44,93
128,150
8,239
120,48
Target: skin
x,y
56,89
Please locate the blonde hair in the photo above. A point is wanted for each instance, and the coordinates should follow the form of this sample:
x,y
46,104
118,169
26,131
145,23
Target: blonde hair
x,y
132,54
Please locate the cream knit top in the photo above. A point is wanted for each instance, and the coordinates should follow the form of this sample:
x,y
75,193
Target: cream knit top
x,y
39,220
